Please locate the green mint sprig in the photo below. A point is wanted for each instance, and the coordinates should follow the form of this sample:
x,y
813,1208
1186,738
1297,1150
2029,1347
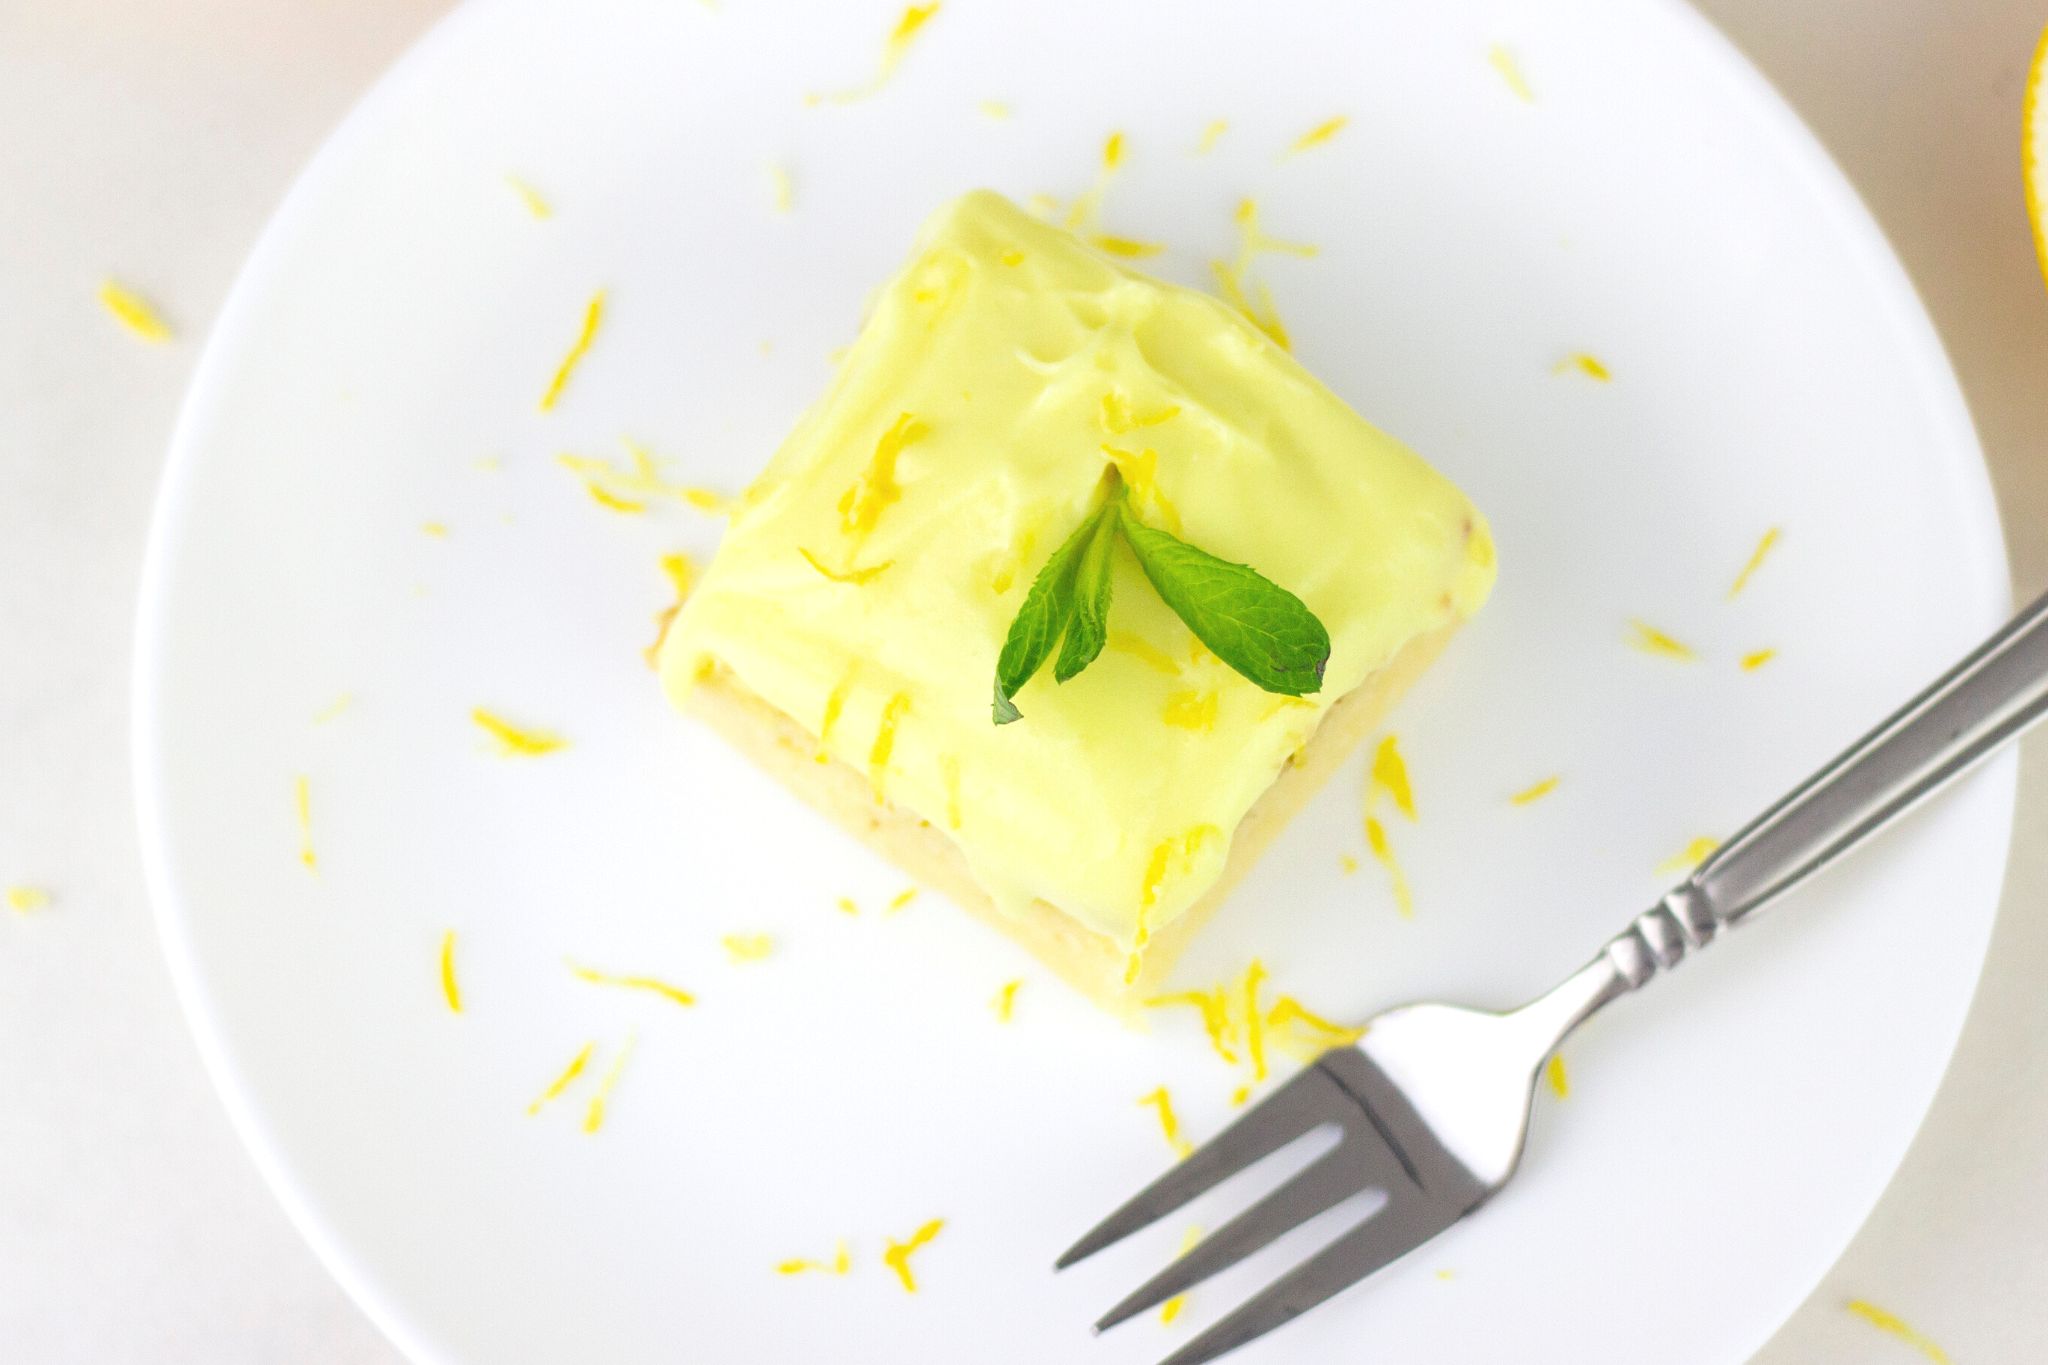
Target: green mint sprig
x,y
1248,621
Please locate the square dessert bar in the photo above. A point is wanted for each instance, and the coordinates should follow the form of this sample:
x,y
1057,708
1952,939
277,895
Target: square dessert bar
x,y
846,634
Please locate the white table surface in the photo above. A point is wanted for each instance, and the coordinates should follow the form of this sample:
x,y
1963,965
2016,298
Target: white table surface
x,y
149,139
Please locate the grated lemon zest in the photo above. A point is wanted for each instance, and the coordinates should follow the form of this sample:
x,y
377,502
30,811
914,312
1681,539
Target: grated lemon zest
x,y
1752,662
781,189
593,1114
1289,1018
885,740
450,991
1240,1095
901,899
1534,792
1171,1309
1348,863
1127,247
630,488
840,1264
536,203
334,708
1893,1325
24,899
1447,1274
1588,365
1084,215
1153,657
1756,561
1689,857
134,312
682,573
514,741
1233,277
896,1255
994,109
949,774
1006,999
633,983
1216,129
1319,134
747,947
1651,640
302,807
1503,61
835,702
1118,416
849,575
1390,775
1560,1080
1191,710
1376,837
1254,1019
607,499
593,314
1011,256
1169,1122
862,504
1140,471
846,906
893,50
564,1080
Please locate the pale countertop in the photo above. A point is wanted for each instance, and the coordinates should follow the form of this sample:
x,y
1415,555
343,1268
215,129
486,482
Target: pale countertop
x,y
150,138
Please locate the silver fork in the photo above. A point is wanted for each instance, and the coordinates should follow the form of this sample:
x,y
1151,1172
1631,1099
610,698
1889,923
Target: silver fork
x,y
1432,1106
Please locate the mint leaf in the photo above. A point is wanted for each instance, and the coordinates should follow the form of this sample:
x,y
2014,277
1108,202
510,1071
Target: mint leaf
x,y
1047,610
1248,621
1089,629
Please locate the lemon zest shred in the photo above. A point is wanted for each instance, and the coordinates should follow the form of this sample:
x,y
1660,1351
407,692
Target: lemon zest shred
x,y
134,312
302,807
901,899
1651,640
847,906
1390,775
1239,1096
593,1114
1118,416
1348,863
632,983
1535,791
835,702
994,109
514,741
1153,657
1011,256
885,740
1216,129
1893,1325
840,1264
450,990
1751,662
781,189
1254,1019
849,575
536,203
1191,710
894,49
1503,61
1233,278
1383,851
1127,247
1560,1080
1169,1122
863,503
1586,364
563,1081
334,708
1085,213
1290,1016
24,899
1689,857
1140,471
949,775
1171,1309
747,947
632,488
682,573
896,1255
1319,134
1006,1000
1755,562
593,314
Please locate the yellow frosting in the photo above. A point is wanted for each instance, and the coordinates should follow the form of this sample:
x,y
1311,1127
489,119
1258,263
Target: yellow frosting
x,y
867,580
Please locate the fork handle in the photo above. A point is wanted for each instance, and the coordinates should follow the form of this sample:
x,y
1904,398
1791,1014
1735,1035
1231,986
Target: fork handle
x,y
1978,706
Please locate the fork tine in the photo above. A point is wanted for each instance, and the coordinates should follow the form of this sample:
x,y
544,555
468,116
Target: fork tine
x,y
1329,1180
1393,1232
1305,1103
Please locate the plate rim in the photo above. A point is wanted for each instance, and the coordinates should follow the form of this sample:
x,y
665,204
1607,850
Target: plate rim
x,y
1749,89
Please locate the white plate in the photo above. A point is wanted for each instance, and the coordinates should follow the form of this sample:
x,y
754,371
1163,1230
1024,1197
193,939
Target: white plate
x,y
1655,206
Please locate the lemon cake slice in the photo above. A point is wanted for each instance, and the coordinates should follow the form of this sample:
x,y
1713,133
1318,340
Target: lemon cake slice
x,y
1010,390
